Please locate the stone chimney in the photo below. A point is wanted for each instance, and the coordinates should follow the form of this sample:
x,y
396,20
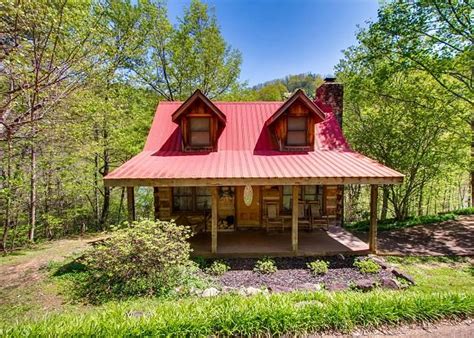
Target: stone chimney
x,y
331,93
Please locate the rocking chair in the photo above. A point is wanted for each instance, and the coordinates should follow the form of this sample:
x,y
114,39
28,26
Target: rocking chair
x,y
272,218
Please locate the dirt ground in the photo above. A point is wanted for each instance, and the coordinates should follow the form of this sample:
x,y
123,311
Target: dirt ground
x,y
24,269
24,290
446,238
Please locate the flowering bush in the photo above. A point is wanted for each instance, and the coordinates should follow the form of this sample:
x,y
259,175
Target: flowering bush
x,y
145,258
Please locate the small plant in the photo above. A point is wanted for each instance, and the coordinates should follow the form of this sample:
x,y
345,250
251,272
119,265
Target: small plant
x,y
217,268
200,261
367,266
265,265
318,267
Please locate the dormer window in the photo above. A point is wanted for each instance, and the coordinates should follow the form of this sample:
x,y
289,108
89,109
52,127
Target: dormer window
x,y
297,132
201,123
292,125
200,131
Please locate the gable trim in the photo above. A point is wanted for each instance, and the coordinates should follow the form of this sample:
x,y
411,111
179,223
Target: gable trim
x,y
299,94
198,95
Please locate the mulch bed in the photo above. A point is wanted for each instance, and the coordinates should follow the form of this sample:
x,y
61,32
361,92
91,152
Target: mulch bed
x,y
293,274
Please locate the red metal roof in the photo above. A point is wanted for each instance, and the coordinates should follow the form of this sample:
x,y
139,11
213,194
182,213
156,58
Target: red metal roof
x,y
245,152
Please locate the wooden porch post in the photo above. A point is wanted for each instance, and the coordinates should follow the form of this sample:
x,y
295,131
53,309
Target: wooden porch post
x,y
294,219
373,218
156,202
214,202
131,204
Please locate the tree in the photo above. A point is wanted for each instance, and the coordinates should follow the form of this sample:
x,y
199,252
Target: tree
x,y
402,106
177,60
272,92
431,36
43,60
280,89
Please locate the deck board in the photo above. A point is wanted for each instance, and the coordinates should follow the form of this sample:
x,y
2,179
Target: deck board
x,y
257,243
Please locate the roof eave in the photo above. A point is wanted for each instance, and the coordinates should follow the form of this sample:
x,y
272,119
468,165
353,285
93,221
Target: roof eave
x,y
175,182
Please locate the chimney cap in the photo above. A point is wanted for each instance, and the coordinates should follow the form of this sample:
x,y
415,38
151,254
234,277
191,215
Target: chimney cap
x,y
330,79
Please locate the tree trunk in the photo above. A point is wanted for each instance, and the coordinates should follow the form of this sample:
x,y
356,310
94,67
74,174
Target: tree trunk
x,y
383,213
444,199
122,196
47,228
31,235
106,205
400,210
353,196
14,236
96,190
472,162
105,208
428,202
6,225
420,202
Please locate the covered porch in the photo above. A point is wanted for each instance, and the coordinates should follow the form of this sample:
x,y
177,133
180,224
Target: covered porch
x,y
257,243
297,232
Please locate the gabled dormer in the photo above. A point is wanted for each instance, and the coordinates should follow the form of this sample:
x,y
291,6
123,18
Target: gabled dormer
x,y
292,125
201,123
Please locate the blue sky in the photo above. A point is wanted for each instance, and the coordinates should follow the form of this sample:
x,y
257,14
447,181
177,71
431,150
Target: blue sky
x,y
281,37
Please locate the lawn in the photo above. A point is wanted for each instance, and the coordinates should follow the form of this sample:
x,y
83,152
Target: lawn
x,y
445,289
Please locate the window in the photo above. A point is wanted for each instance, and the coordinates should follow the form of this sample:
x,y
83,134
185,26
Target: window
x,y
308,193
296,131
199,128
203,199
191,199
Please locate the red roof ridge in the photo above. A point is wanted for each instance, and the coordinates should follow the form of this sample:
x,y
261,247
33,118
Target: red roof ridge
x,y
227,102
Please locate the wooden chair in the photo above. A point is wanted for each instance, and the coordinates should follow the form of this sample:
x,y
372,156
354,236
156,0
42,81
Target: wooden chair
x,y
272,217
303,217
316,218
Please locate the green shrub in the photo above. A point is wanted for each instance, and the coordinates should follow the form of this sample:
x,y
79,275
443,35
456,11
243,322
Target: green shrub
x,y
318,267
200,261
217,268
465,211
391,223
146,258
265,265
367,266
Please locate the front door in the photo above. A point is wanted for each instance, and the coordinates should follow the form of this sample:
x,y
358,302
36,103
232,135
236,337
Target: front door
x,y
248,206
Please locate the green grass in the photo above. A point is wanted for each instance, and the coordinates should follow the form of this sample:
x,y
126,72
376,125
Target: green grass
x,y
391,223
445,289
465,211
32,249
438,274
274,314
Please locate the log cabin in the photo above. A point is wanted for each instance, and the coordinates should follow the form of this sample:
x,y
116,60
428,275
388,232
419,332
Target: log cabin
x,y
255,178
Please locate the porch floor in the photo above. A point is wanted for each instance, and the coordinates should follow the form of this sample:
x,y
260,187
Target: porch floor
x,y
249,243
